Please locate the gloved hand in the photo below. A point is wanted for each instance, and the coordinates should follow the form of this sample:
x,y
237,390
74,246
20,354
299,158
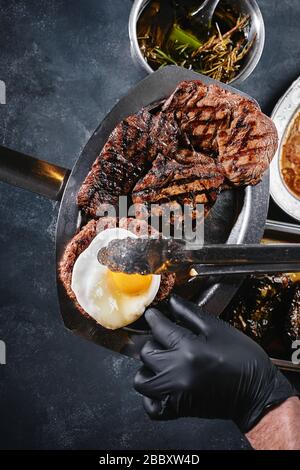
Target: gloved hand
x,y
206,368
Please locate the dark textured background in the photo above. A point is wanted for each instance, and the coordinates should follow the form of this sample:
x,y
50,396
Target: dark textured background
x,y
65,64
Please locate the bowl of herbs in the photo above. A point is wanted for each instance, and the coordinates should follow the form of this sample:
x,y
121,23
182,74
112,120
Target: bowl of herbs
x,y
164,32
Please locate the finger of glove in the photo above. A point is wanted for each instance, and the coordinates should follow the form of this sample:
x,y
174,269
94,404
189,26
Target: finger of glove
x,y
166,332
190,315
152,385
153,356
159,409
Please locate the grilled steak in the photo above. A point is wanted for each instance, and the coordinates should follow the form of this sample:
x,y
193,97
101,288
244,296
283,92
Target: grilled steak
x,y
126,156
83,239
227,126
200,140
187,177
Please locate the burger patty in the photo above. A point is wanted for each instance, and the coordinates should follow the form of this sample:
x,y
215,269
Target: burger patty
x,y
187,149
83,239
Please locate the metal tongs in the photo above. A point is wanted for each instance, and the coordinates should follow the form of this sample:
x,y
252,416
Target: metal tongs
x,y
154,256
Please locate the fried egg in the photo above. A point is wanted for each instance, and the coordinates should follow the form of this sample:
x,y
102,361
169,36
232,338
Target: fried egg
x,y
113,299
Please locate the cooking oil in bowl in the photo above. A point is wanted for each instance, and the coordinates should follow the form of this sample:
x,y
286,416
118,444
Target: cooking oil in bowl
x,y
168,34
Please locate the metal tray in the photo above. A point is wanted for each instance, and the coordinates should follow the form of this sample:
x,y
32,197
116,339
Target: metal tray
x,y
238,216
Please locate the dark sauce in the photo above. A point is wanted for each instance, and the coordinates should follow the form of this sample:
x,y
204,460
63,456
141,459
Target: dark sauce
x,y
168,34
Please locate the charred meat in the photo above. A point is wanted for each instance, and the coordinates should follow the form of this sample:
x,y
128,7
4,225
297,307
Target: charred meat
x,y
227,126
125,158
200,140
188,177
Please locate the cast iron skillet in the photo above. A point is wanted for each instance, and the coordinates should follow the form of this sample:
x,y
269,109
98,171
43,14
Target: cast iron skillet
x,y
238,217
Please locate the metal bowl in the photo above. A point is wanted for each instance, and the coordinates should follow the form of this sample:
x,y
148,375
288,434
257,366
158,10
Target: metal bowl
x,y
247,7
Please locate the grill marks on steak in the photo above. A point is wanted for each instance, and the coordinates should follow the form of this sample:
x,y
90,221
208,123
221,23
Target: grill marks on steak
x,y
185,150
247,147
126,156
186,175
119,166
226,126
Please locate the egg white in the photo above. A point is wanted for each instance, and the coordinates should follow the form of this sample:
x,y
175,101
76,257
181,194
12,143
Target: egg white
x,y
95,294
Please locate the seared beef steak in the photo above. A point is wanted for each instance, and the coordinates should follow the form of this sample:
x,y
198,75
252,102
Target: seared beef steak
x,y
227,126
83,239
126,156
200,140
186,177
119,166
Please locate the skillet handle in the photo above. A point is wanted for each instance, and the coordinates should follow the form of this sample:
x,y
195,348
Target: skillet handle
x,y
32,174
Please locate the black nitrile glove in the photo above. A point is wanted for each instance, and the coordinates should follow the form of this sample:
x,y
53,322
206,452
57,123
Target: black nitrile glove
x,y
206,368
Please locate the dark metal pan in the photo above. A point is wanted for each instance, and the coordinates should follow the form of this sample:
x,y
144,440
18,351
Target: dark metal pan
x,y
238,216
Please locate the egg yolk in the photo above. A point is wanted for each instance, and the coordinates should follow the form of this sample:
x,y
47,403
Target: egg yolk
x,y
130,284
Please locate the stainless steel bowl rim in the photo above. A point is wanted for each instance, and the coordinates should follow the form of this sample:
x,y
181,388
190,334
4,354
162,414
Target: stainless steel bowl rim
x,y
257,20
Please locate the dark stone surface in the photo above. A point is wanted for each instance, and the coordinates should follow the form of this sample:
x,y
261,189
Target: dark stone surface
x,y
65,64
